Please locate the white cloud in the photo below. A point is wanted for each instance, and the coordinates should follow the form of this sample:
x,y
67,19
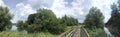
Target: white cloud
x,y
78,9
25,8
60,9
22,11
2,3
40,3
104,6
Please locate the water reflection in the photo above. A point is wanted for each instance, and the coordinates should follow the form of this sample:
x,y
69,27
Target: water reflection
x,y
108,32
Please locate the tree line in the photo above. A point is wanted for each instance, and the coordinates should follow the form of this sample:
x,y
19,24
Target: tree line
x,y
42,21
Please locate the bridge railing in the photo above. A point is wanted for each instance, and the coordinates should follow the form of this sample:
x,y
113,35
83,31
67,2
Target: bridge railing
x,y
70,33
67,33
83,32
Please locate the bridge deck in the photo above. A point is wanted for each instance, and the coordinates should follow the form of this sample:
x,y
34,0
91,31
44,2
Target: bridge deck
x,y
77,33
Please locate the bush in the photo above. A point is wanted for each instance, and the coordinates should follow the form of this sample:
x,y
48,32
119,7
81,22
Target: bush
x,y
96,32
56,29
42,21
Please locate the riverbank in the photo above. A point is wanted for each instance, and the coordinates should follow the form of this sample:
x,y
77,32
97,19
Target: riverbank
x,y
15,33
96,32
20,34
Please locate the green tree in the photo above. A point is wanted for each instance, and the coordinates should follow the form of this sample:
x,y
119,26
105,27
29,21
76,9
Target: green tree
x,y
43,20
114,21
69,21
21,25
5,18
94,19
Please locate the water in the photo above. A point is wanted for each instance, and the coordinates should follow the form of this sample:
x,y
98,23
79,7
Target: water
x,y
108,32
14,27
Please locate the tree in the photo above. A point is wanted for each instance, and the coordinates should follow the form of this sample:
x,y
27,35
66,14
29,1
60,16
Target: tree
x,y
21,25
94,19
5,18
114,21
43,20
69,21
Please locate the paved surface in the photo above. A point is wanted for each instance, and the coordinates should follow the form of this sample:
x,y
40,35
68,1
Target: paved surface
x,y
77,32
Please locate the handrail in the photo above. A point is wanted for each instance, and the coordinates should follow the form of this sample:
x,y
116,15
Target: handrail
x,y
70,33
66,33
84,33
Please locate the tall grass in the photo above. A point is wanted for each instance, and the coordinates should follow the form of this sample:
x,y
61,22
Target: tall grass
x,y
20,34
96,32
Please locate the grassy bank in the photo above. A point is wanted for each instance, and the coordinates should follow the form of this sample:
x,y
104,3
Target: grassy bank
x,y
20,34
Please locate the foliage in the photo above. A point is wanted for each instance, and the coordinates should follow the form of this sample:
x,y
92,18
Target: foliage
x,y
114,21
94,19
96,32
46,21
5,18
19,34
42,21
21,25
69,21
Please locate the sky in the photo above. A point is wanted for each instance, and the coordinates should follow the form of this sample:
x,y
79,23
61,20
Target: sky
x,y
78,9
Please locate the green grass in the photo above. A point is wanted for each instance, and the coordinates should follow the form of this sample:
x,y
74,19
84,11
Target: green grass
x,y
20,34
97,32
69,28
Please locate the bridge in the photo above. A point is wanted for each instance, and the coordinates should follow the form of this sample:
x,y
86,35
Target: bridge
x,y
77,31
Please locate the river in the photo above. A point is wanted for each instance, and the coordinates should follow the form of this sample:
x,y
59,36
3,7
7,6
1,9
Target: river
x,y
108,32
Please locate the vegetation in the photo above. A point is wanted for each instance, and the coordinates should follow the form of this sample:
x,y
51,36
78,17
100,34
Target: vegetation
x,y
69,21
114,21
45,21
96,32
5,18
39,24
20,34
94,23
94,19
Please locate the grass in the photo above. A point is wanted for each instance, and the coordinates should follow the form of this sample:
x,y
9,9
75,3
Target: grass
x,y
20,34
69,28
96,32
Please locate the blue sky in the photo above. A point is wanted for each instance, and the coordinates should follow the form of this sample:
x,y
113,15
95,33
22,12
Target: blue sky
x,y
75,8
